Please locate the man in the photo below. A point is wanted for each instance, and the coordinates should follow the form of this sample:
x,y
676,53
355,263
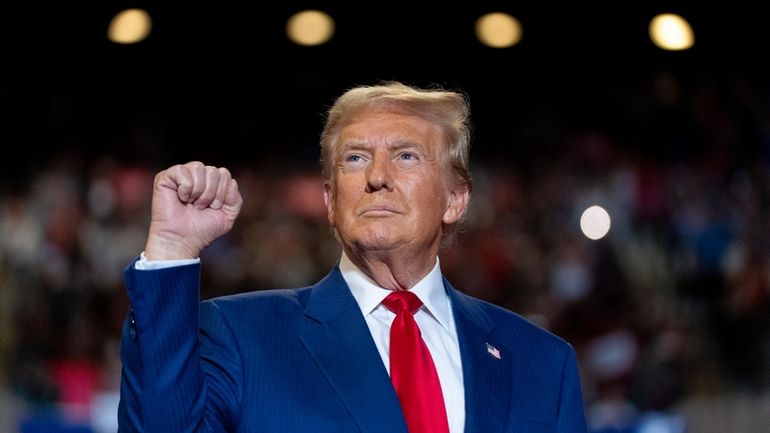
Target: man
x,y
321,358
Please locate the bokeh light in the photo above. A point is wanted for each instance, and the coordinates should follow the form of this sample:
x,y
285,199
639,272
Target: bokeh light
x,y
595,222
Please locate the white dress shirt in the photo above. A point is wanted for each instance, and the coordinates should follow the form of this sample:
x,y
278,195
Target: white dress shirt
x,y
435,319
144,264
437,326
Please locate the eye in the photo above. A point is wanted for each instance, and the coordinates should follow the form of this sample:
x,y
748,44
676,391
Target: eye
x,y
353,158
407,156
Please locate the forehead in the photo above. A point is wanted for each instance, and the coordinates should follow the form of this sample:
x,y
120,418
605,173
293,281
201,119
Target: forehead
x,y
390,123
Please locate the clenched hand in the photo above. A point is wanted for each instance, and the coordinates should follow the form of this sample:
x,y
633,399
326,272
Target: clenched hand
x,y
192,205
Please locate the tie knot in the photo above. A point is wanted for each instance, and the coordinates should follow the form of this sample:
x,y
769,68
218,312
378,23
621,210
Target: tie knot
x,y
402,300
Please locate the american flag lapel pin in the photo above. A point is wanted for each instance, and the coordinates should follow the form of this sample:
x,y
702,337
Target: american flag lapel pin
x,y
493,351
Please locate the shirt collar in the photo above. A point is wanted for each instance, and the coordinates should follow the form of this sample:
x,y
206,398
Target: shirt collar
x,y
369,294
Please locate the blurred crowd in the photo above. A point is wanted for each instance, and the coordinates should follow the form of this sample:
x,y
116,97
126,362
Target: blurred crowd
x,y
671,305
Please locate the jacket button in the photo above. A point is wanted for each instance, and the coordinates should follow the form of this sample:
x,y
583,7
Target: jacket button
x,y
131,324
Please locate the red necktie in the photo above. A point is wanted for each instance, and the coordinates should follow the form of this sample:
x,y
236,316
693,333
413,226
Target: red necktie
x,y
411,368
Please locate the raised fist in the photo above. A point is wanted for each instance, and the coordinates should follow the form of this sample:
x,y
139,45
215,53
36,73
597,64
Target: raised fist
x,y
192,205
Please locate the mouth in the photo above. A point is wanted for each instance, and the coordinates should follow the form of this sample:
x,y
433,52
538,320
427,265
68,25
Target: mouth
x,y
378,211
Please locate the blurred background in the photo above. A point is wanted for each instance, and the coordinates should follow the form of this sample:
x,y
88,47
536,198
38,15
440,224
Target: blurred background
x,y
621,181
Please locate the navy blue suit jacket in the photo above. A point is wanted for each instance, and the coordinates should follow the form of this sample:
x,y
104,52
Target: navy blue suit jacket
x,y
304,360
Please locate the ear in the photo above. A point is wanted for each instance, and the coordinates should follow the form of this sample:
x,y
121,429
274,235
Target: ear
x,y
458,202
329,201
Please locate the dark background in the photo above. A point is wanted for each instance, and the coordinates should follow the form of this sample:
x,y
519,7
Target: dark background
x,y
221,80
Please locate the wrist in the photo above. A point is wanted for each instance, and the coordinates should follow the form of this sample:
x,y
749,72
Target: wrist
x,y
160,247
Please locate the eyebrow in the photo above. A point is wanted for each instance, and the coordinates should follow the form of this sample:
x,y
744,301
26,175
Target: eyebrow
x,y
396,145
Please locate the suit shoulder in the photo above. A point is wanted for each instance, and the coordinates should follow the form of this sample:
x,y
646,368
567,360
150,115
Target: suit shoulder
x,y
253,301
514,324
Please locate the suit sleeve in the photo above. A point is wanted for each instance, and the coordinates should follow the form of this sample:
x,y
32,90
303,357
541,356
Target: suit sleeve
x,y
571,417
175,378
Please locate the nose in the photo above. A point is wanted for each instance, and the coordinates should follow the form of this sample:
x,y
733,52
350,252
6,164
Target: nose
x,y
379,174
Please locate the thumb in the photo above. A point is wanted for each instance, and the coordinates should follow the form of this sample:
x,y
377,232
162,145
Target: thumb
x,y
233,199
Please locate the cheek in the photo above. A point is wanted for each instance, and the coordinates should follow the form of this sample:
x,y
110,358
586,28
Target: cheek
x,y
344,193
344,199
438,195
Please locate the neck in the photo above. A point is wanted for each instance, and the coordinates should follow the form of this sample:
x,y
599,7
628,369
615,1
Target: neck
x,y
393,270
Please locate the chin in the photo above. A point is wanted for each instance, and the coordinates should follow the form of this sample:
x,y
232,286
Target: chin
x,y
374,241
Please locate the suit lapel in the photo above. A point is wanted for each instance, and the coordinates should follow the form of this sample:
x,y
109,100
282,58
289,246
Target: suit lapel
x,y
337,337
487,379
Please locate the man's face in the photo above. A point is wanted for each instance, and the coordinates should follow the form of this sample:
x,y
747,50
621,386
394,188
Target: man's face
x,y
390,189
